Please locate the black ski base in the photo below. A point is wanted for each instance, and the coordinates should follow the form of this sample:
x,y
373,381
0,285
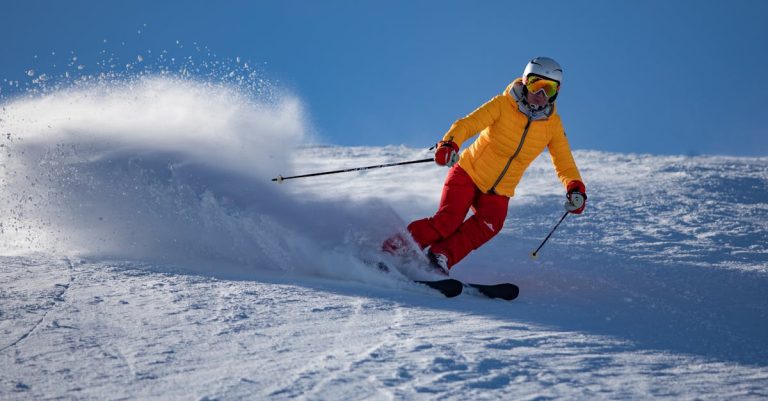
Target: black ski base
x,y
448,287
505,291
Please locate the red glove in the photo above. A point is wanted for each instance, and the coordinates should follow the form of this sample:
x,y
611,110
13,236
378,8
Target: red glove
x,y
577,197
447,153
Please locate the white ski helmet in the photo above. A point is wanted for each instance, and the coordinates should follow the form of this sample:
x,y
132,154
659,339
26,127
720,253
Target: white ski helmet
x,y
544,67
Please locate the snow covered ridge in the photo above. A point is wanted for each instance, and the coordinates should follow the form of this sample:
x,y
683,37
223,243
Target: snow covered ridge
x,y
95,169
145,253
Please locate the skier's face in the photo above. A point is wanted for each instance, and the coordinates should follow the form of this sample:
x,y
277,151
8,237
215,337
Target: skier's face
x,y
537,99
540,89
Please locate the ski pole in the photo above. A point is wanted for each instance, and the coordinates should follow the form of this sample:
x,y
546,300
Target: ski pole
x,y
535,254
280,178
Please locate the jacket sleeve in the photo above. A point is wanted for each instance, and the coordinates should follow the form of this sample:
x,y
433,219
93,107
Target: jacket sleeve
x,y
562,158
475,122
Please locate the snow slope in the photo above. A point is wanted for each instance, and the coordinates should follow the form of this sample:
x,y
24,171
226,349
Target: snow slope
x,y
145,254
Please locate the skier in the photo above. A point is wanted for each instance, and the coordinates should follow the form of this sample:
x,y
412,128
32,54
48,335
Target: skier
x,y
514,127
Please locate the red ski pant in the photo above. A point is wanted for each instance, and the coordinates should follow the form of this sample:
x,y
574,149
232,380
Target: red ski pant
x,y
447,232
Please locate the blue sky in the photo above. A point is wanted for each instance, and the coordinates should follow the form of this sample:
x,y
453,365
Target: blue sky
x,y
662,77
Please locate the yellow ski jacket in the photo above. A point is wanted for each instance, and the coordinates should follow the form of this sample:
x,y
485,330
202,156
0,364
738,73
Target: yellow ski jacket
x,y
511,137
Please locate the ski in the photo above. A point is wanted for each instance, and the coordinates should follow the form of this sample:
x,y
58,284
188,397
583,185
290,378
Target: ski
x,y
448,287
451,287
505,291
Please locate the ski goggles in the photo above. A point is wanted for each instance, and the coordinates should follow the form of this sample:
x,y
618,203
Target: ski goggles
x,y
535,83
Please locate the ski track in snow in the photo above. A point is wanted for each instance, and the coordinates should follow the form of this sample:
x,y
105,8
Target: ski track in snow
x,y
154,272
159,335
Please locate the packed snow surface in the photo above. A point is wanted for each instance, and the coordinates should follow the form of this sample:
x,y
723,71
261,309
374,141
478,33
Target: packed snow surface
x,y
146,254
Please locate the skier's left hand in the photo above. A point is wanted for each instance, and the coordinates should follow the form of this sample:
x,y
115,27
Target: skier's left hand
x,y
577,197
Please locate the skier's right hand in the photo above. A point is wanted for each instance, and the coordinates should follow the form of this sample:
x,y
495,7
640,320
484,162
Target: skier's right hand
x,y
447,153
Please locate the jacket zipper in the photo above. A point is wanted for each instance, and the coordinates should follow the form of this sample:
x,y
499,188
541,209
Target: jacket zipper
x,y
506,167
